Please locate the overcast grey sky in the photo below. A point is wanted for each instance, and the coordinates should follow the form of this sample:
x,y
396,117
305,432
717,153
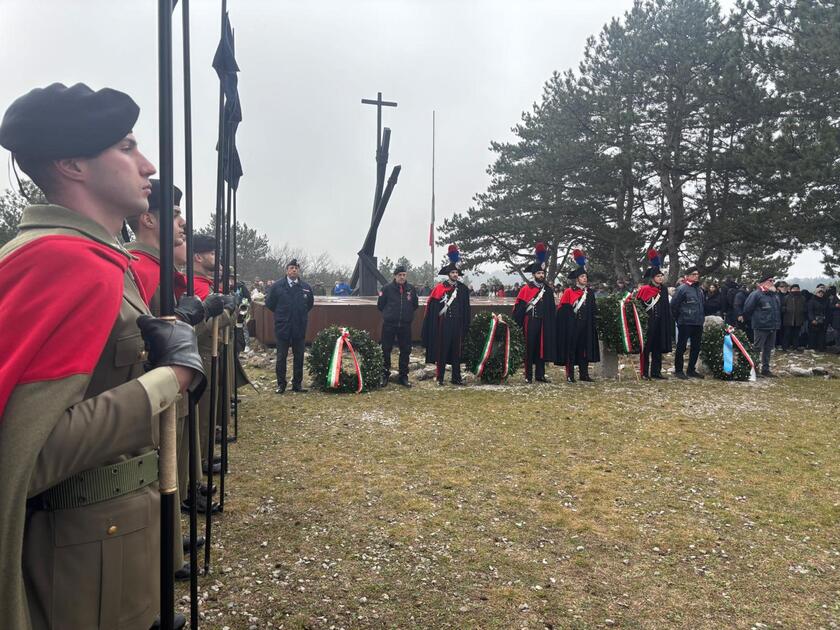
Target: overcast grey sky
x,y
306,141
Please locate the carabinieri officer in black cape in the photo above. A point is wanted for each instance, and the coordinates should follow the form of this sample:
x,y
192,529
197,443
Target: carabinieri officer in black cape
x,y
660,325
534,311
577,326
447,320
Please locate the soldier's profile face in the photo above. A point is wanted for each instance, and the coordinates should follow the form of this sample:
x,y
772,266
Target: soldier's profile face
x,y
119,177
401,277
179,232
582,279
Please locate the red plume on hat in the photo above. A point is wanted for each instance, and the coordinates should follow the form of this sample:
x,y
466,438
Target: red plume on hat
x,y
539,252
453,253
579,257
654,258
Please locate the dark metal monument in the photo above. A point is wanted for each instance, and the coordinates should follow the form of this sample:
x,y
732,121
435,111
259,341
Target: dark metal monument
x,y
366,276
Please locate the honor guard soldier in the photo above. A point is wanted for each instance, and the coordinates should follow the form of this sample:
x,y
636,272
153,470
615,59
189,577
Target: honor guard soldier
x,y
660,326
577,327
290,299
534,311
397,301
447,320
146,268
79,502
204,267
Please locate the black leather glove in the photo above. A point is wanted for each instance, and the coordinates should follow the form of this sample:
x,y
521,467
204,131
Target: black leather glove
x,y
173,343
230,302
214,305
190,309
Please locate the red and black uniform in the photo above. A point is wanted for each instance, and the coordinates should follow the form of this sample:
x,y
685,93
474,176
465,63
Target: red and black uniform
x,y
577,331
534,310
445,326
660,327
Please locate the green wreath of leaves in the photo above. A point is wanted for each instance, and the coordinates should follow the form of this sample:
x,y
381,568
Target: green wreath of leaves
x,y
711,351
368,352
609,323
474,346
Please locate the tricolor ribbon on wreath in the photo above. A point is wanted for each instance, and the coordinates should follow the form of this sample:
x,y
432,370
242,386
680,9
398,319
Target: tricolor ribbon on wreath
x,y
625,327
334,371
495,320
730,339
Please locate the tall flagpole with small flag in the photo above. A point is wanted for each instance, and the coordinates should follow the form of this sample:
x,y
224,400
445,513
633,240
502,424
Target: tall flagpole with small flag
x,y
432,224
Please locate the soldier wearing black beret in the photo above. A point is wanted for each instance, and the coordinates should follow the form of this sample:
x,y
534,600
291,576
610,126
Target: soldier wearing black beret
x,y
80,508
397,302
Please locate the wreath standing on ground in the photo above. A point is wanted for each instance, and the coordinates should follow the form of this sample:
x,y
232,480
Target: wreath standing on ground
x,y
336,348
727,353
494,347
622,321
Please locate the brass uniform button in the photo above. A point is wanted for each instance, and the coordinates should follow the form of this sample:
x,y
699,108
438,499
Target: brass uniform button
x,y
112,530
141,356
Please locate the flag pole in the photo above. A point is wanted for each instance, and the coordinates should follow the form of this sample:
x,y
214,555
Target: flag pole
x,y
432,226
168,466
192,421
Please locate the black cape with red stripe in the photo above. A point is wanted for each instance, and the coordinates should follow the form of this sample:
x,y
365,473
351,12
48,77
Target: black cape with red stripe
x,y
577,333
660,324
437,330
544,342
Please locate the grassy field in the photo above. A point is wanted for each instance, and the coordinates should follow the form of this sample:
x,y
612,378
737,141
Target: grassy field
x,y
629,505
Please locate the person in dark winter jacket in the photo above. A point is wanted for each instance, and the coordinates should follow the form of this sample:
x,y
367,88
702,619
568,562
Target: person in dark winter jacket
x,y
397,302
763,310
713,304
728,291
833,317
291,300
688,311
817,310
782,291
793,317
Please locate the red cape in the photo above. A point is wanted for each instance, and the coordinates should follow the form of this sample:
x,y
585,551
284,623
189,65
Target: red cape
x,y
146,271
570,296
52,334
647,293
202,286
527,293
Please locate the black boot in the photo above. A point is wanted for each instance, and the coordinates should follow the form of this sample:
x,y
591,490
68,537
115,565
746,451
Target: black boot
x,y
185,541
404,381
178,622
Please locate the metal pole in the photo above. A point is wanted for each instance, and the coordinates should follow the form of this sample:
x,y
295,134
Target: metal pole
x,y
168,479
432,225
235,280
193,492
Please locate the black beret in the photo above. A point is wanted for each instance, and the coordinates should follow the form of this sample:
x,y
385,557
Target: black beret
x,y
203,243
292,263
63,122
154,198
399,269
